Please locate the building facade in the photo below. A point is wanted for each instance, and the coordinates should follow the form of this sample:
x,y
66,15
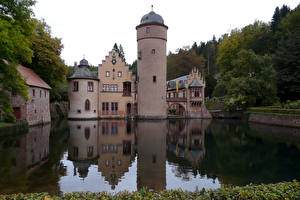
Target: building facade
x,y
35,110
185,96
117,95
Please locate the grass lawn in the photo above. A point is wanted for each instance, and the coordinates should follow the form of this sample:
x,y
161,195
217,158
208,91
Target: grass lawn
x,y
4,124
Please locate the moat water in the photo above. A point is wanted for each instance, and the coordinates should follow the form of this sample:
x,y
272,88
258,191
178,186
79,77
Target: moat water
x,y
118,155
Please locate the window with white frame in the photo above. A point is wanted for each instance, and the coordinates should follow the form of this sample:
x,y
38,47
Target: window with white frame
x,y
119,74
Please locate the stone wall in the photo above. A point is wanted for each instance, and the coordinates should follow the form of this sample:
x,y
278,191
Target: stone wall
x,y
280,120
36,110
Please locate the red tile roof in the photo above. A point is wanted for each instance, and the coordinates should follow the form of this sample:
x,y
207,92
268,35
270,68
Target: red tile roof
x,y
31,78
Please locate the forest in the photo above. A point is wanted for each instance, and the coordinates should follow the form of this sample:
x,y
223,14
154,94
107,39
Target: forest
x,y
256,65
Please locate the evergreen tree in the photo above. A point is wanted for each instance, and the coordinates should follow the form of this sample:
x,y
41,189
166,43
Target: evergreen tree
x,y
121,53
275,19
116,48
287,65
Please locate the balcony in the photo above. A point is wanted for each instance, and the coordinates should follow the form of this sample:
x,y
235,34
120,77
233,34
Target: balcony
x,y
177,99
127,93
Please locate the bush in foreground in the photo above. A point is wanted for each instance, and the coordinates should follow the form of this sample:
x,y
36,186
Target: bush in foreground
x,y
284,190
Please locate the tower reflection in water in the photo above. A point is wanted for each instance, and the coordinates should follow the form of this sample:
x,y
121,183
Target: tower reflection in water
x,y
83,145
151,166
115,146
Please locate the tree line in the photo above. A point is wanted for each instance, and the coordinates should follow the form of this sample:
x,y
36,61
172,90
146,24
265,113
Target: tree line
x,y
256,65
27,41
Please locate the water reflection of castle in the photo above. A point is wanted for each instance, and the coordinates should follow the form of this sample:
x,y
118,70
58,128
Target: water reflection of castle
x,y
21,155
113,145
186,139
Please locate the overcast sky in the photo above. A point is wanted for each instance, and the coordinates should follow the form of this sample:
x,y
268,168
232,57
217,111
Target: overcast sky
x,y
91,27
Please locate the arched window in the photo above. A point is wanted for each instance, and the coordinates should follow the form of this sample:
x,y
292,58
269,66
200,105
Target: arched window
x,y
87,105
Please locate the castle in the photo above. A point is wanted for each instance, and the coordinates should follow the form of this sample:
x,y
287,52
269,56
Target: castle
x,y
114,92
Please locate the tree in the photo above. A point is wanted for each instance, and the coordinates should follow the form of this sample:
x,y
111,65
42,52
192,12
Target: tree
x,y
182,63
15,47
286,57
133,67
121,53
46,61
287,65
252,80
256,37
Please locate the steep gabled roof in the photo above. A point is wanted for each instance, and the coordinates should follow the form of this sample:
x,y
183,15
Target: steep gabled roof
x,y
31,78
195,83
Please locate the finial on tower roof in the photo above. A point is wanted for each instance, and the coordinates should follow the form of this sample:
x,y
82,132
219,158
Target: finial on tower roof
x,y
152,7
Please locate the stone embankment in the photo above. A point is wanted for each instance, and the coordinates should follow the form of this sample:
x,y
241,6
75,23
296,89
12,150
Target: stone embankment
x,y
219,114
273,119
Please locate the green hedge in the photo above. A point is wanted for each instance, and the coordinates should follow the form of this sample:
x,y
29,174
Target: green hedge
x,y
284,190
274,110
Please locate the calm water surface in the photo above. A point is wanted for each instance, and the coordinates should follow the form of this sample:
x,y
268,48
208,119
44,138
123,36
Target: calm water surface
x,y
117,155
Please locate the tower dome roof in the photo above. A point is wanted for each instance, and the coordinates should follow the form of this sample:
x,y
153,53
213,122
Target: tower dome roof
x,y
152,17
84,62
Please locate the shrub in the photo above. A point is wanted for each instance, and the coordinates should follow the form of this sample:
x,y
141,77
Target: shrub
x,y
284,190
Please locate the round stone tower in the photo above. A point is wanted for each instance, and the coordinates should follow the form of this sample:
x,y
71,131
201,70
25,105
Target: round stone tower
x,y
83,92
152,67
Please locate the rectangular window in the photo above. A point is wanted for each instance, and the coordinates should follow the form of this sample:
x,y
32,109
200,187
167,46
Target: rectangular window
x,y
153,51
45,93
107,73
114,128
197,94
105,87
90,87
75,86
147,29
40,93
154,79
105,106
33,92
140,55
119,74
114,88
114,108
90,151
105,128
